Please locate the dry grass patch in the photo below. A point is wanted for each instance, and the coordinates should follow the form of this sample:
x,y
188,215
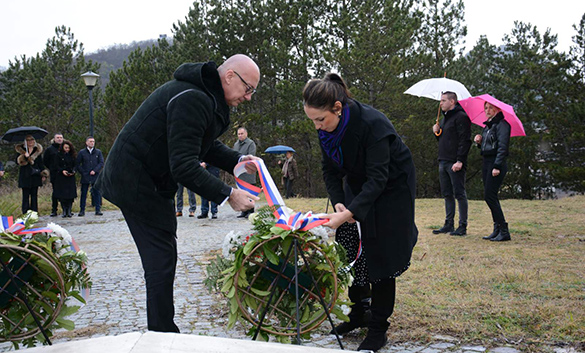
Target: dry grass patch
x,y
530,290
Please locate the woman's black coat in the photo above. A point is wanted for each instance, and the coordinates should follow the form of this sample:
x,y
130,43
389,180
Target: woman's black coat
x,y
64,187
26,177
495,140
380,173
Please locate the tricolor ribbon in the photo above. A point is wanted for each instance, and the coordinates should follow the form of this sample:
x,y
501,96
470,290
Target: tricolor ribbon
x,y
296,221
18,228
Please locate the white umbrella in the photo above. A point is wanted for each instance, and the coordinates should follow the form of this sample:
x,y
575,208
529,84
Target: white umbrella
x,y
434,87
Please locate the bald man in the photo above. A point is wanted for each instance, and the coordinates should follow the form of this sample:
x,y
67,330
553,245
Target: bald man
x,y
164,143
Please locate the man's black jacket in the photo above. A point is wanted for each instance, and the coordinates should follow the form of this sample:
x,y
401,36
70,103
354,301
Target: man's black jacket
x,y
455,140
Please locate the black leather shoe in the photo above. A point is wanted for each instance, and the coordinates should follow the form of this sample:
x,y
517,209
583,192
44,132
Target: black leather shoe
x,y
202,216
53,214
98,213
81,214
494,233
460,231
243,215
214,216
446,228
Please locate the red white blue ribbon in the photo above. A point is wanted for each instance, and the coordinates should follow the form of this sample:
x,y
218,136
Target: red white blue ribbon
x,y
8,225
285,220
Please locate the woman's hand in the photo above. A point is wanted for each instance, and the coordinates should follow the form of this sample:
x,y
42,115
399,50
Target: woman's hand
x,y
341,216
65,173
477,139
495,172
26,154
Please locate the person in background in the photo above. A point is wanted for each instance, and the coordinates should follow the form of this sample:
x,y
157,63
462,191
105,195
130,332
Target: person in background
x,y
205,202
32,172
289,173
454,136
64,185
192,201
245,146
360,143
49,159
90,162
494,143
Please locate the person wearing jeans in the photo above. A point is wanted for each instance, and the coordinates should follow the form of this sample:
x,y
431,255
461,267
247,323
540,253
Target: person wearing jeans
x,y
205,202
454,136
192,201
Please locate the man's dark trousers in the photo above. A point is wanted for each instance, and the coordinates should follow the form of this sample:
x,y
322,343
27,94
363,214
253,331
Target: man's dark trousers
x,y
54,201
158,253
453,187
95,195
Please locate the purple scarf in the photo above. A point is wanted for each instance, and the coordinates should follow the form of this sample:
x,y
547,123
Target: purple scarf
x,y
331,141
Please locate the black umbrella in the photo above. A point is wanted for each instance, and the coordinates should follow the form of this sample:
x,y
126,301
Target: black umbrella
x,y
19,133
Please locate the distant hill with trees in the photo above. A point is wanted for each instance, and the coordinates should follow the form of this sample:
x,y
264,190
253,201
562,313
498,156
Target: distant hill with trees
x,y
113,57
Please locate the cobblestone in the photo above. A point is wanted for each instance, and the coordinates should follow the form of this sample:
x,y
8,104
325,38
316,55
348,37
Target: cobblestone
x,y
117,303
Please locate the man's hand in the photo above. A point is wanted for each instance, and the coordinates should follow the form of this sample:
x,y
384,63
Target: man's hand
x,y
241,200
1,173
436,128
495,172
250,167
203,164
92,173
477,139
457,166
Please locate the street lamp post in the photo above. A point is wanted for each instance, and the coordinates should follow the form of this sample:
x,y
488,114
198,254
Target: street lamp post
x,y
90,79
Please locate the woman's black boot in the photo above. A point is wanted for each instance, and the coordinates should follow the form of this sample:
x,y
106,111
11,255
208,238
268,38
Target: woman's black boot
x,y
359,315
504,234
383,296
494,233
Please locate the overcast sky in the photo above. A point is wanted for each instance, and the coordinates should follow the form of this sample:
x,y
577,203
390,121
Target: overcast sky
x,y
26,25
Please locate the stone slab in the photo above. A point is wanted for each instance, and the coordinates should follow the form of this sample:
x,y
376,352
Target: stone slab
x,y
158,342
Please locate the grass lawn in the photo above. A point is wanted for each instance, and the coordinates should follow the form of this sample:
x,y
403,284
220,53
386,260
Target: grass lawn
x,y
528,291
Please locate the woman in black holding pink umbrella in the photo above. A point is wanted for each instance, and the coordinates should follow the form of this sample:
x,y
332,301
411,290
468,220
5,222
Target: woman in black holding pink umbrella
x,y
494,142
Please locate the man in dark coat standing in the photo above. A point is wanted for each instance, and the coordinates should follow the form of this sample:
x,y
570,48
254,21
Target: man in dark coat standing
x,y
49,160
90,162
164,143
454,135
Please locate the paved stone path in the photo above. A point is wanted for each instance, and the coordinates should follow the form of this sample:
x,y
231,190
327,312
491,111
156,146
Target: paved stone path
x,y
117,302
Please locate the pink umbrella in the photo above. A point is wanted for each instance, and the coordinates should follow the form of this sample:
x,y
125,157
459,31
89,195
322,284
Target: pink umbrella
x,y
474,107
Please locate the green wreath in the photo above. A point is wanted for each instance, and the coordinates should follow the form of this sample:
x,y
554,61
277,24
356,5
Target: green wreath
x,y
249,270
48,274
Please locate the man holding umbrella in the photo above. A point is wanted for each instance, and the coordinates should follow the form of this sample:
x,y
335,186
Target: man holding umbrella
x,y
454,136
